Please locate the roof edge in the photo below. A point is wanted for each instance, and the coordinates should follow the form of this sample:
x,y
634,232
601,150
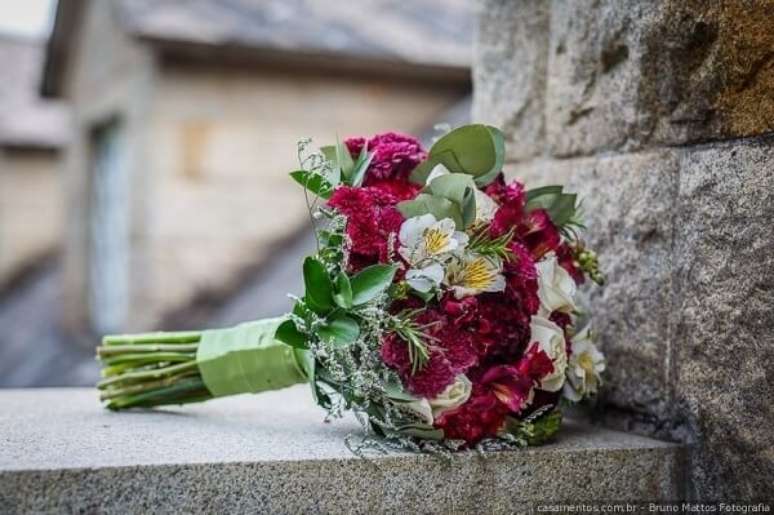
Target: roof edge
x,y
247,55
67,16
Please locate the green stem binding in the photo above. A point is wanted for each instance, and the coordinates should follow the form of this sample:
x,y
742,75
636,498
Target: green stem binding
x,y
156,369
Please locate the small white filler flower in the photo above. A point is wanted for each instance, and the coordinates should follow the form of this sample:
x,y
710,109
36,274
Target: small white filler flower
x,y
585,368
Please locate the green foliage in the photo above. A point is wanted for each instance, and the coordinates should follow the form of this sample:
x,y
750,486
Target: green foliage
x,y
340,330
319,287
361,166
477,150
460,189
561,206
371,282
494,248
343,294
313,182
352,172
439,207
289,334
415,336
536,429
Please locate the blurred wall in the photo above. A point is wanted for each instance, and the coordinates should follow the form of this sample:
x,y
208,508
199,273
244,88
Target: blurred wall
x,y
205,149
223,143
30,208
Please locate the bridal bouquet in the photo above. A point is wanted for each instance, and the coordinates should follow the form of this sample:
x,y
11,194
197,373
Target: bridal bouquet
x,y
439,305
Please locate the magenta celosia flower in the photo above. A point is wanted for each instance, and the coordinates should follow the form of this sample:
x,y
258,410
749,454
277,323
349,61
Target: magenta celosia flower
x,y
371,218
395,155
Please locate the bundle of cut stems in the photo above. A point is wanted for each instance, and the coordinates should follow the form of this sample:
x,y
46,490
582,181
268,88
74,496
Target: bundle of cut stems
x,y
152,369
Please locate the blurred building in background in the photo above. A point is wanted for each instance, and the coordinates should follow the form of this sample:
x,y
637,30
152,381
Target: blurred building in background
x,y
32,131
184,127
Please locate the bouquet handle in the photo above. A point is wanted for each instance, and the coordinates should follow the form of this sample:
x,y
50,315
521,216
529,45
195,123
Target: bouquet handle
x,y
247,359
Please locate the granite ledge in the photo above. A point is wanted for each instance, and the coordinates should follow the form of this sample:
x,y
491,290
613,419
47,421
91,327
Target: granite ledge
x,y
61,452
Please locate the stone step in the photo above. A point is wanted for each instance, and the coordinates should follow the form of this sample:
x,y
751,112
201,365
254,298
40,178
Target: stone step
x,y
272,453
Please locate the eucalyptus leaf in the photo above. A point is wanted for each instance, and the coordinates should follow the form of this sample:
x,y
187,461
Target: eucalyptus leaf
x,y
437,206
447,158
371,282
534,193
560,206
477,150
289,334
319,288
460,189
341,330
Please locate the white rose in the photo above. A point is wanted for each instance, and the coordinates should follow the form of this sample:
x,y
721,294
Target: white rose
x,y
550,339
454,396
556,288
585,368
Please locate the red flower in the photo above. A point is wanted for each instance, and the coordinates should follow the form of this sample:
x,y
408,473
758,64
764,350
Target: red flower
x,y
538,233
566,258
480,417
395,155
501,328
451,349
502,193
513,384
400,189
371,218
521,279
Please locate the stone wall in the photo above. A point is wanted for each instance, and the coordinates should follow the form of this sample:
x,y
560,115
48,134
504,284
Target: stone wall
x,y
661,114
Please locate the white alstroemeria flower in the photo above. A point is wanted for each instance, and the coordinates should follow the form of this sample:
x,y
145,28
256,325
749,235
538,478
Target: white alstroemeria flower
x,y
425,238
454,396
556,288
437,171
485,207
471,274
426,278
585,368
550,339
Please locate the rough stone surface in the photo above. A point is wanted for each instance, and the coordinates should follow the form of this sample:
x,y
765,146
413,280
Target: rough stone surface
x,y
272,453
724,318
626,74
511,54
686,241
627,206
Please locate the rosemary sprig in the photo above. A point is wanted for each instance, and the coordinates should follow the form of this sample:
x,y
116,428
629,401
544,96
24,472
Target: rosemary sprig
x,y
494,248
416,337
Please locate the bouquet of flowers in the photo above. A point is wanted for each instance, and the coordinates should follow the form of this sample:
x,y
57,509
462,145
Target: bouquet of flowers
x,y
439,306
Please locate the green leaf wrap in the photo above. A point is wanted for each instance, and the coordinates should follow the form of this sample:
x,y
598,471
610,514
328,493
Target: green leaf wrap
x,y
247,359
